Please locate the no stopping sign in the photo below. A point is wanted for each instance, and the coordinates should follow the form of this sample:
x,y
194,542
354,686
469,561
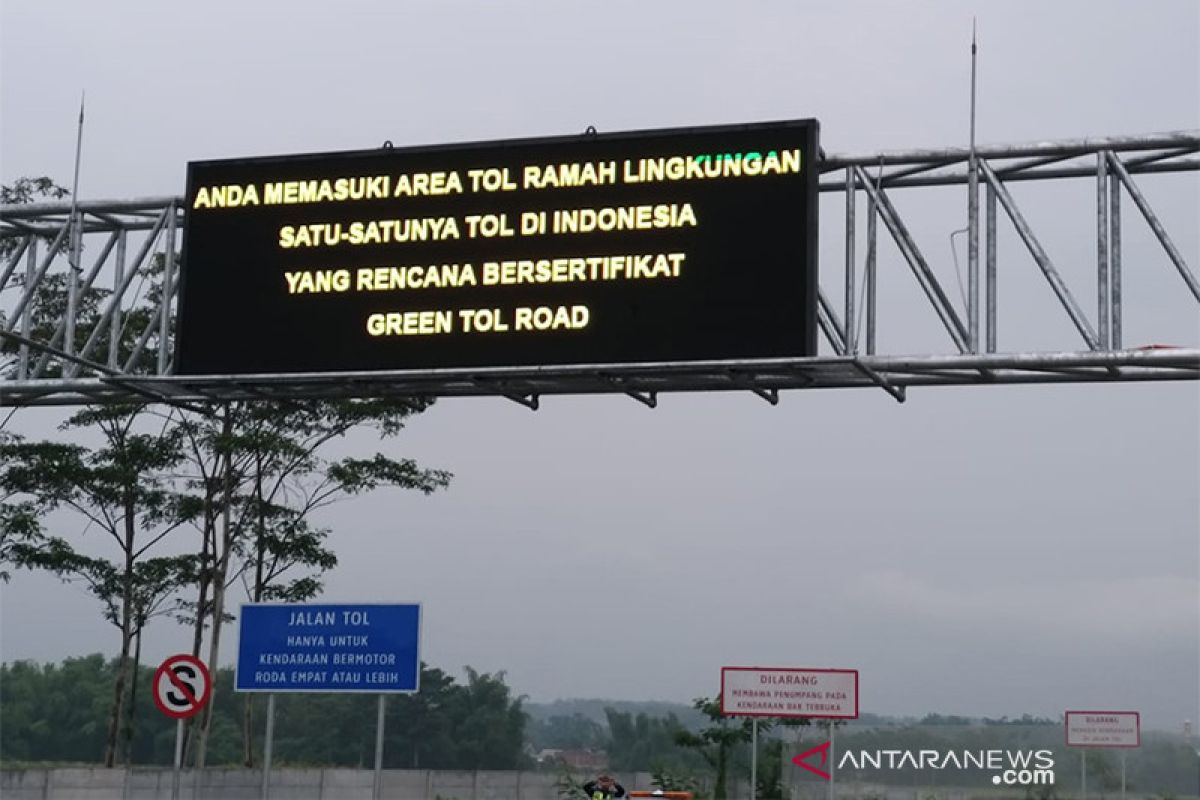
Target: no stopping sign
x,y
182,685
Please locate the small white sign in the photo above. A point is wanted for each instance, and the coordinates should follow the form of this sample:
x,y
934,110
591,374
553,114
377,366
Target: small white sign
x,y
1104,729
789,692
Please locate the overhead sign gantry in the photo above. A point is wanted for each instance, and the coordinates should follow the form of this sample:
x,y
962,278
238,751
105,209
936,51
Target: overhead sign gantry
x,y
306,317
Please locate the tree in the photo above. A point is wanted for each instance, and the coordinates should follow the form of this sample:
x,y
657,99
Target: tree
x,y
420,733
23,191
123,489
717,742
20,526
567,732
257,473
643,742
254,475
54,712
488,723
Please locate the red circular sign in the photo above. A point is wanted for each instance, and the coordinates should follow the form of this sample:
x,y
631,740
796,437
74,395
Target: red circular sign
x,y
182,685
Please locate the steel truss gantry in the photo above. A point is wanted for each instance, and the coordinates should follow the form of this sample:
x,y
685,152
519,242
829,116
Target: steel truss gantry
x,y
107,345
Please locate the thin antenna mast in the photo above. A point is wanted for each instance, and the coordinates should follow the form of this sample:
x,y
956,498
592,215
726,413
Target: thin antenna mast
x,y
75,243
78,152
974,58
973,219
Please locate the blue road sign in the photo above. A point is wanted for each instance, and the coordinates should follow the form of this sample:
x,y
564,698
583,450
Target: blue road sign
x,y
302,647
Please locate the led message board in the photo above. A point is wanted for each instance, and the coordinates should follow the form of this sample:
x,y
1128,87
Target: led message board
x,y
656,246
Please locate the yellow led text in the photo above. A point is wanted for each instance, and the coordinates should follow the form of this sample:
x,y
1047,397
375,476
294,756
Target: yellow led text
x,y
383,231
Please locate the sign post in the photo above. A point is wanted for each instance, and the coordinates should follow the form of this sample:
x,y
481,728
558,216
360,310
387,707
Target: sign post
x,y
790,693
182,685
832,761
378,782
268,746
754,758
352,648
1102,729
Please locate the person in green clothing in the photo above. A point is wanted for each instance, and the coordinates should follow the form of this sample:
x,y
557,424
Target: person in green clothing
x,y
603,788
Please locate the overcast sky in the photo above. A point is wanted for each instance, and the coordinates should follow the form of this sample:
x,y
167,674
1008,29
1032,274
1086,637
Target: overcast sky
x,y
999,550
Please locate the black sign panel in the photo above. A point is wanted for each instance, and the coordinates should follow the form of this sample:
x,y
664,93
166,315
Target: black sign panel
x,y
657,246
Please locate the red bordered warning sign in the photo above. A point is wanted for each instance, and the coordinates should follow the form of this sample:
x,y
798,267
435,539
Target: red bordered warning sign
x,y
182,685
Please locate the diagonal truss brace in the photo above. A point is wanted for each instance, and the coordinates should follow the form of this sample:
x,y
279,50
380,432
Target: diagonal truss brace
x,y
1039,255
916,261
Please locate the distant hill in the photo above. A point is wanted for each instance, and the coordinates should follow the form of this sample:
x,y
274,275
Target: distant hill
x,y
593,709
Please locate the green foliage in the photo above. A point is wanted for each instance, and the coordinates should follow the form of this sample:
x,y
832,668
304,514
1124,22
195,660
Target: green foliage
x,y
246,476
562,732
20,522
1101,771
670,781
23,191
48,310
770,769
1043,792
567,785
56,713
29,190
278,478
718,742
122,488
643,742
597,710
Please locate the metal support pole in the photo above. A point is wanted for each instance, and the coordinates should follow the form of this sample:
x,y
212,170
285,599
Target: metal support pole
x,y
973,222
1122,775
753,758
827,318
1155,225
1039,255
851,344
916,261
178,759
31,286
1083,774
1102,250
1114,257
832,761
75,222
15,258
27,314
114,329
991,270
81,290
76,247
377,789
164,325
112,310
267,747
872,255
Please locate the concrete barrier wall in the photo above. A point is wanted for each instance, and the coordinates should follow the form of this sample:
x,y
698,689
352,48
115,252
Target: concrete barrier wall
x,y
288,784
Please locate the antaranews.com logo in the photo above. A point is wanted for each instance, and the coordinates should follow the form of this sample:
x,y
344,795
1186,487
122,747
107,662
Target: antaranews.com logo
x,y
1009,767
